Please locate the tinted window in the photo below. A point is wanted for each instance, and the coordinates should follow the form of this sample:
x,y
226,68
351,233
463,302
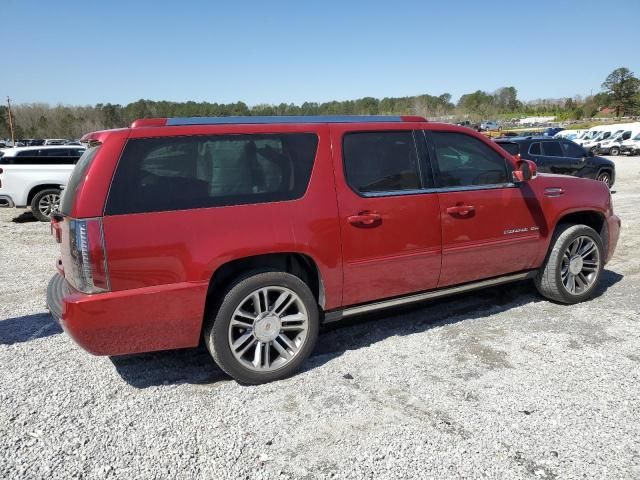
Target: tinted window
x,y
512,148
572,150
76,178
381,161
463,160
29,153
176,173
534,149
552,149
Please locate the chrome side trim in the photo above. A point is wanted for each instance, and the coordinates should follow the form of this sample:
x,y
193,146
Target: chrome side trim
x,y
348,312
476,187
282,119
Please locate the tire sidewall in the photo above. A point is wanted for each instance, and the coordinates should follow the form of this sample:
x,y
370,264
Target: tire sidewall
x,y
579,231
602,174
35,210
216,333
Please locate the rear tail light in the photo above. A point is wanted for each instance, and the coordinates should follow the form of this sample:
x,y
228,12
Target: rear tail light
x,y
89,272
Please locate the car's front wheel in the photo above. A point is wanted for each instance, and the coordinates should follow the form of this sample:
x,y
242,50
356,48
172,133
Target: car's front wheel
x,y
265,327
614,151
44,203
574,265
605,177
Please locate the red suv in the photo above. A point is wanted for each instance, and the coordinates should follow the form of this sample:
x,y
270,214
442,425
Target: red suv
x,y
251,232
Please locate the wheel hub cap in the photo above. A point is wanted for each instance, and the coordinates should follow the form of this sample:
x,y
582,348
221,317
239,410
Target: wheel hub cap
x,y
575,265
267,328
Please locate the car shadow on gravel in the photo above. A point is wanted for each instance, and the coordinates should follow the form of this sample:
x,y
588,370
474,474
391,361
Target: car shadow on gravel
x,y
27,328
24,217
195,366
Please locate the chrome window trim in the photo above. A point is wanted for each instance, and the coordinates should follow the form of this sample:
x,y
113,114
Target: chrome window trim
x,y
466,188
397,193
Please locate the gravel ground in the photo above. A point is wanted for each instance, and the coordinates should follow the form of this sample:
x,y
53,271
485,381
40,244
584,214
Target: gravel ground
x,y
497,384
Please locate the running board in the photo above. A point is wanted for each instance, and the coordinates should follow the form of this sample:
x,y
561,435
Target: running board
x,y
337,315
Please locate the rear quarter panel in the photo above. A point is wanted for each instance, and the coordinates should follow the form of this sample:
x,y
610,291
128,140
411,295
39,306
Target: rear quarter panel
x,y
150,249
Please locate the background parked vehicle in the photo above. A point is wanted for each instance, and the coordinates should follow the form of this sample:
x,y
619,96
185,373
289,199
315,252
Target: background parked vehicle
x,y
561,156
613,145
34,177
551,131
631,146
489,125
568,134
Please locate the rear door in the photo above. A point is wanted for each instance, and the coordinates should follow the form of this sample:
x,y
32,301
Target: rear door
x,y
490,227
389,212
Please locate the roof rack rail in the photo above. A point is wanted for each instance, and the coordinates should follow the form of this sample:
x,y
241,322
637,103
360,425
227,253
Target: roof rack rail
x,y
177,121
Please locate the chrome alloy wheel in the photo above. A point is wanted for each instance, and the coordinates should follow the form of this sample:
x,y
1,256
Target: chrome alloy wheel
x,y
49,203
580,265
268,328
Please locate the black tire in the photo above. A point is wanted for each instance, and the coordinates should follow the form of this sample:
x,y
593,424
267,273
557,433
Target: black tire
x,y
42,198
605,177
216,332
549,280
614,151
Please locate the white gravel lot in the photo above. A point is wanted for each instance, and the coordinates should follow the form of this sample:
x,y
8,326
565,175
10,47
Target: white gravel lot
x,y
496,384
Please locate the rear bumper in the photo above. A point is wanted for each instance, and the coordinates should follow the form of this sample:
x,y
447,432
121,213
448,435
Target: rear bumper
x,y
132,321
6,201
613,230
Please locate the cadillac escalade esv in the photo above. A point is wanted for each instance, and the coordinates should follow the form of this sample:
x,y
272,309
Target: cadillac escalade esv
x,y
249,232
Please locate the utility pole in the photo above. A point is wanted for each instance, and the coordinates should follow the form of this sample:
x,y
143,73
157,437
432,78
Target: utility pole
x,y
13,136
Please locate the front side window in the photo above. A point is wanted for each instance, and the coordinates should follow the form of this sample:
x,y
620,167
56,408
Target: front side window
x,y
177,173
463,160
379,162
511,147
572,150
534,149
552,149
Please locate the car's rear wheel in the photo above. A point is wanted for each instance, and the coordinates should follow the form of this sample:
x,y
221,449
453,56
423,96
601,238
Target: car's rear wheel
x,y
265,327
605,177
614,151
44,203
574,265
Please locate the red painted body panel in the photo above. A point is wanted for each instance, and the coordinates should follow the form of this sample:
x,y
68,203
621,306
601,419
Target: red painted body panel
x,y
475,245
160,264
139,320
398,255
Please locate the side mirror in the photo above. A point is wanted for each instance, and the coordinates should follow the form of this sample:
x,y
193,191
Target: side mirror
x,y
525,170
590,153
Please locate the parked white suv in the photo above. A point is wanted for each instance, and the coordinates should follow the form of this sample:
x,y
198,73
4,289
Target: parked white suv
x,y
34,176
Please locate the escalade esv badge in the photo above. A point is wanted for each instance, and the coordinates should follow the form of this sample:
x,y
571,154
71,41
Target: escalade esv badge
x,y
521,230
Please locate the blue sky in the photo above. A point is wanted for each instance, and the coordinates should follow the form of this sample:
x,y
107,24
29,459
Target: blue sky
x,y
274,51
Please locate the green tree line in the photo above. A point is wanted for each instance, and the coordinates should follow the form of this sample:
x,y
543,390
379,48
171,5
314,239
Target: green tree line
x,y
621,92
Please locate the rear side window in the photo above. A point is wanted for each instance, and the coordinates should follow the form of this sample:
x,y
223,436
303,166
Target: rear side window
x,y
48,156
381,162
77,177
552,149
177,173
463,160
